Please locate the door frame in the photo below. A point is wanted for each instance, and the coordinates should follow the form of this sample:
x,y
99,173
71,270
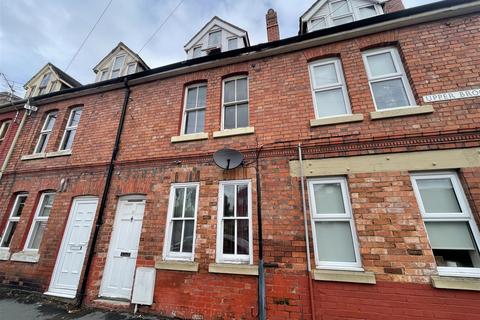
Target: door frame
x,y
62,248
136,197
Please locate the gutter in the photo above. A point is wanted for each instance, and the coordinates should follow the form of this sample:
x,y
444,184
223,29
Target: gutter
x,y
13,144
408,17
108,180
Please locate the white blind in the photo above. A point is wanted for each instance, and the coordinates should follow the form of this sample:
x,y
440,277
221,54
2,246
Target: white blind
x,y
450,235
334,241
328,198
438,196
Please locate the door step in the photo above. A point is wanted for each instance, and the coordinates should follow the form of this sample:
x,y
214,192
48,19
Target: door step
x,y
112,302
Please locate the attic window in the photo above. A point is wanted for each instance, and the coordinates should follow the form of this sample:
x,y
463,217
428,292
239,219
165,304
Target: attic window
x,y
318,23
341,12
367,12
104,75
42,88
215,39
232,43
117,66
132,68
197,52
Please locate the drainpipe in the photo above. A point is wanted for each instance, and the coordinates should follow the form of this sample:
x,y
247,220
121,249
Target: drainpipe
x,y
307,241
13,144
81,294
261,266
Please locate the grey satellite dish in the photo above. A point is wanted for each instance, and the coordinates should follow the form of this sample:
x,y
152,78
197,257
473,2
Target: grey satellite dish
x,y
228,158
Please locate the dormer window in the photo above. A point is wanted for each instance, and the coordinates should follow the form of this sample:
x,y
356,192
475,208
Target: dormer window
x,y
341,12
232,43
42,88
367,12
215,39
104,75
117,66
197,52
131,68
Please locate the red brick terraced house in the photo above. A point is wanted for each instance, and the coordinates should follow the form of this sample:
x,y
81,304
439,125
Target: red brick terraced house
x,y
358,196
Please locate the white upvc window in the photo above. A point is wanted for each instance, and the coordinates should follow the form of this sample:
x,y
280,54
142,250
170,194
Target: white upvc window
x,y
333,228
329,89
4,129
387,79
367,11
46,132
341,12
13,220
317,23
104,75
39,222
194,108
215,39
451,228
181,224
132,68
197,52
117,66
232,43
42,87
235,103
53,86
71,129
234,228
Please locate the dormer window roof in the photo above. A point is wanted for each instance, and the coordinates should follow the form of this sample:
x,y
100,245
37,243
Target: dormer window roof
x,y
216,36
328,13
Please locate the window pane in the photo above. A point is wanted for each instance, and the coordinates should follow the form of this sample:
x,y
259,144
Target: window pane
x,y
131,68
229,122
330,102
50,122
9,234
200,121
37,235
104,75
438,196
232,44
340,7
190,202
45,80
69,137
178,204
381,64
389,94
325,74
42,143
215,39
343,20
4,128
115,73
46,206
202,96
19,208
197,52
242,236
118,62
190,122
457,258
228,236
229,94
367,12
450,235
318,23
228,200
191,98
75,117
242,200
176,236
242,115
334,241
188,236
242,90
328,198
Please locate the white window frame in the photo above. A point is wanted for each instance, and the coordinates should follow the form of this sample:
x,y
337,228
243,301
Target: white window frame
x,y
313,23
236,43
231,103
375,7
350,13
219,45
40,87
199,48
69,127
11,218
400,74
45,132
181,256
132,64
234,258
185,111
36,219
465,216
339,85
341,217
121,67
102,73
4,126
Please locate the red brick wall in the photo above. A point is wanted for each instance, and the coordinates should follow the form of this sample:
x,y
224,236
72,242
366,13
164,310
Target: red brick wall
x,y
393,5
7,141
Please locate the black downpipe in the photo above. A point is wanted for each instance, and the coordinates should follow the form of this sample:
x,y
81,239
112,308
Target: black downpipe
x,y
261,268
103,203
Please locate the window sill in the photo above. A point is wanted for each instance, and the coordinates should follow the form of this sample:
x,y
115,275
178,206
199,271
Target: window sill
x,y
456,283
4,254
401,112
344,276
189,137
34,156
226,268
233,132
337,119
47,155
176,265
25,256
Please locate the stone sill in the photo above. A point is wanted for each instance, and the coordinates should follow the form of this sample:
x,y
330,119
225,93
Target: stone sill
x,y
226,268
4,254
176,265
344,276
233,132
401,112
456,283
25,256
189,137
337,119
47,155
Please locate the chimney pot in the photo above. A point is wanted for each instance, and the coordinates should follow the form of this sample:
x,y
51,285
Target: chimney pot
x,y
273,32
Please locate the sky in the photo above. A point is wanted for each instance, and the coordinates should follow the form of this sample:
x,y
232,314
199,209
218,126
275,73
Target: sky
x,y
33,32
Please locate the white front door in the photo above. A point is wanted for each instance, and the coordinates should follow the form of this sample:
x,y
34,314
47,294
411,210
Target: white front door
x,y
66,274
122,253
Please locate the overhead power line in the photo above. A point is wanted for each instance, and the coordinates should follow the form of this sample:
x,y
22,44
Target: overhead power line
x,y
161,25
88,35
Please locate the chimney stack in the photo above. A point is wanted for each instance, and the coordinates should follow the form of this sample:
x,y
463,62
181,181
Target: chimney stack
x,y
273,32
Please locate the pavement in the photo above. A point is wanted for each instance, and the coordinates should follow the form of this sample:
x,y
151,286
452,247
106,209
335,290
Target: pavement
x,y
21,305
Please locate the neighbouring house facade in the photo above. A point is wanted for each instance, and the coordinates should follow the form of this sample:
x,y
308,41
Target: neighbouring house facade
x,y
358,196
